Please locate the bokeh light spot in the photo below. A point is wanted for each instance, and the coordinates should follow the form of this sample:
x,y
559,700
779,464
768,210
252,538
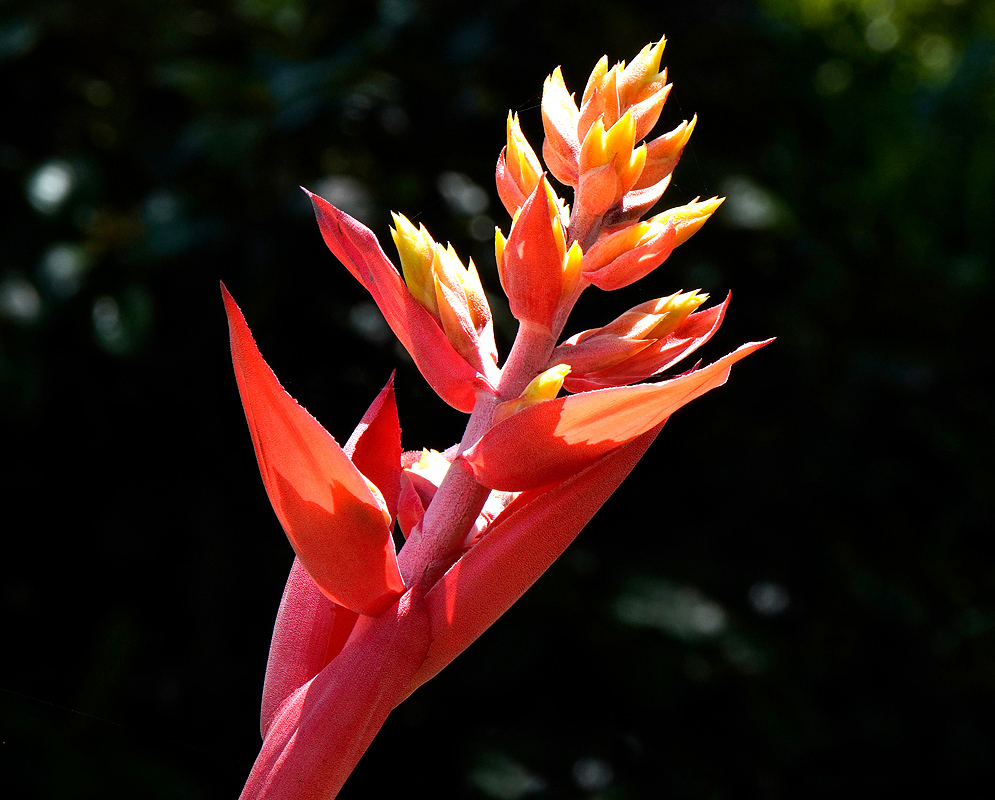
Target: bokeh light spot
x,y
833,77
348,194
768,598
748,205
881,34
501,777
680,611
62,268
19,300
50,185
461,194
592,774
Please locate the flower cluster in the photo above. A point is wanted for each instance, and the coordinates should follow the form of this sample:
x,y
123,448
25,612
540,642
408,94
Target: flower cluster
x,y
362,624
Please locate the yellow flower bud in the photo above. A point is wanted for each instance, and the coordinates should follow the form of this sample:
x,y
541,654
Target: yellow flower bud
x,y
450,292
521,158
417,251
499,242
642,78
671,312
688,219
544,386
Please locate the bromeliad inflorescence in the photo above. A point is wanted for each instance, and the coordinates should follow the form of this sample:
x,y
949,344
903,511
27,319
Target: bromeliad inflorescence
x,y
361,624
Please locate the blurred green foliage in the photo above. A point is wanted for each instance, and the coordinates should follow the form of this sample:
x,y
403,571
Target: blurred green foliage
x,y
789,597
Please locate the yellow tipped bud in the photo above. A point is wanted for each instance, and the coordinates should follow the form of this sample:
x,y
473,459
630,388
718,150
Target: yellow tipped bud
x,y
417,249
554,83
663,153
573,269
643,76
620,138
431,465
525,167
594,82
609,165
499,242
450,292
688,219
544,386
673,311
559,121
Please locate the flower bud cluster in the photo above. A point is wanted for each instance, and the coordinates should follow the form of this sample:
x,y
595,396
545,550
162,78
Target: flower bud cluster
x,y
641,343
450,292
596,150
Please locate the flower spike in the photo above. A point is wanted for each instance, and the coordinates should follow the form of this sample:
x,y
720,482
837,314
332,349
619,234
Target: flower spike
x,y
360,627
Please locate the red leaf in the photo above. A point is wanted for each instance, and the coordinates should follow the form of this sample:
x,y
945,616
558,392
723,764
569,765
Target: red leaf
x,y
375,446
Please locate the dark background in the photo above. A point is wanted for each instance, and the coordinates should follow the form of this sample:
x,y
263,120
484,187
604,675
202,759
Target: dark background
x,y
788,598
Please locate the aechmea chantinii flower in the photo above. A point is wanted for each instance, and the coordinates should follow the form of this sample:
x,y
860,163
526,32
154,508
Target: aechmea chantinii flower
x,y
363,624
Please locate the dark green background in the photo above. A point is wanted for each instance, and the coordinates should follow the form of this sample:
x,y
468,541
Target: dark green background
x,y
789,598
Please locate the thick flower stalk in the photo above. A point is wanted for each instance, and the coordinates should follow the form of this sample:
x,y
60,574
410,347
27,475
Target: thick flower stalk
x,y
363,624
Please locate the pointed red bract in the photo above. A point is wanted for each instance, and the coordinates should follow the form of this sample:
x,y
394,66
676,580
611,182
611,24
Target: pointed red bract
x,y
448,373
327,510
551,440
310,629
532,266
375,446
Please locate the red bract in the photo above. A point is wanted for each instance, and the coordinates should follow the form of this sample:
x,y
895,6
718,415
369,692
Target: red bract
x,y
361,625
557,438
327,507
453,379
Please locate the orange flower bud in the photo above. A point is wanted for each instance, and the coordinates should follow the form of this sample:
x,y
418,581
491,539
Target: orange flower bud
x,y
663,153
594,81
609,165
642,342
559,120
450,292
621,258
688,219
518,169
642,78
600,102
